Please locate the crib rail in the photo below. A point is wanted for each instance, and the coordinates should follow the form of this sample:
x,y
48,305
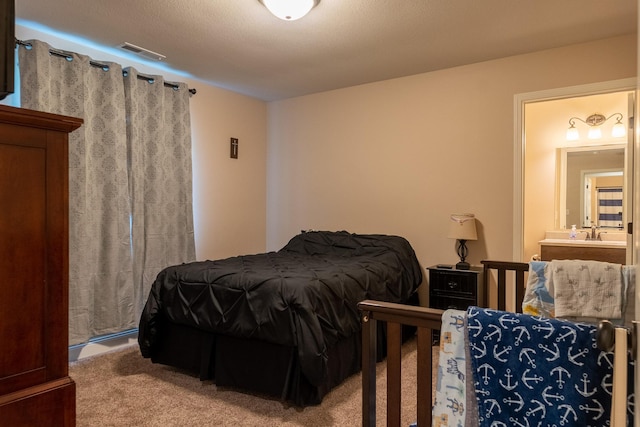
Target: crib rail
x,y
502,268
396,315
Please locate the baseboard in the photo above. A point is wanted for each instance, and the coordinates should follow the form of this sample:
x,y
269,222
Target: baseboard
x,y
103,344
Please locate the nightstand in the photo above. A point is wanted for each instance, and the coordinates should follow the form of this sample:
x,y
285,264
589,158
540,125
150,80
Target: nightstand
x,y
451,288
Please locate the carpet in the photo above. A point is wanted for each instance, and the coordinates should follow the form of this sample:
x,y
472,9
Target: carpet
x,y
122,388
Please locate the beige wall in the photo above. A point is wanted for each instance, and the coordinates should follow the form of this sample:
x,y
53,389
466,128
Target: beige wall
x,y
399,156
229,195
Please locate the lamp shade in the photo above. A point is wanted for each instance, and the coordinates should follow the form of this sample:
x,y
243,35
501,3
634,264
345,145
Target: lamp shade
x,y
594,133
289,10
572,134
618,130
462,227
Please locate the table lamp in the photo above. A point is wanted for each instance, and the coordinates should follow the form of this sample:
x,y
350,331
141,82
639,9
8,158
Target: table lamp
x,y
462,227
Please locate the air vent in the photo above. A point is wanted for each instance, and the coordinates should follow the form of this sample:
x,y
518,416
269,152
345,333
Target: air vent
x,y
149,54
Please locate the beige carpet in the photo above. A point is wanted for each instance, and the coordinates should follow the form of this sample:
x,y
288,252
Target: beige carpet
x,y
123,389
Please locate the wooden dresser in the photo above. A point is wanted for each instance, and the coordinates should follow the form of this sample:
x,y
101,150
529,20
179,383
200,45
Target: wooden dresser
x,y
35,387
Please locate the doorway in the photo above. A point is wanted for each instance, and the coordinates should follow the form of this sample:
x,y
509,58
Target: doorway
x,y
542,119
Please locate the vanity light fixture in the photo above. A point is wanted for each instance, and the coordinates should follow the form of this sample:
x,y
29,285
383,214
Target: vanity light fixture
x,y
289,10
595,131
462,227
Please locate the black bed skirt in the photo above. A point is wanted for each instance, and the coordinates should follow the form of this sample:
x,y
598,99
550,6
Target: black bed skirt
x,y
258,366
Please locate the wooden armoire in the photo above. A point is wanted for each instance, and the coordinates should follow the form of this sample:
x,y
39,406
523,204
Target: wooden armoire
x,y
35,387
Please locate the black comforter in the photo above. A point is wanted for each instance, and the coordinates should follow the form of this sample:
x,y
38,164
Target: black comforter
x,y
303,295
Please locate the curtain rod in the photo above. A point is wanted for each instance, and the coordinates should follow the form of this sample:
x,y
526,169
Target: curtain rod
x,y
105,67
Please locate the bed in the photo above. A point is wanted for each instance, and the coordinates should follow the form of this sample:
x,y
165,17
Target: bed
x,y
497,368
285,323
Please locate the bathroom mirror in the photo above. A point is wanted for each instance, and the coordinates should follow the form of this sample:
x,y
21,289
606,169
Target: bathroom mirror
x,y
590,184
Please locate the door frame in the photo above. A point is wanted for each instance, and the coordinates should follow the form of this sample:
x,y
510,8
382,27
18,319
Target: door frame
x,y
520,100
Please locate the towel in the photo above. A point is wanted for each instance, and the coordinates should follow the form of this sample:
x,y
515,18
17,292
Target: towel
x,y
531,371
590,289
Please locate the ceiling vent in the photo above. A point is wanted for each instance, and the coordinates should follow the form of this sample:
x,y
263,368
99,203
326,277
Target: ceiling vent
x,y
146,53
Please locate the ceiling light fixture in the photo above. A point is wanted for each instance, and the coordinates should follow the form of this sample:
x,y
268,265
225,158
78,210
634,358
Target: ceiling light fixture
x,y
595,132
289,10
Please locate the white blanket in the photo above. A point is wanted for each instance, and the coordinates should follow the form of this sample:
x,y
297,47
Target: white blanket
x,y
586,289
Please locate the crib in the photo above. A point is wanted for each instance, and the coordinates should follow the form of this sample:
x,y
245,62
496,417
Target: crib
x,y
426,320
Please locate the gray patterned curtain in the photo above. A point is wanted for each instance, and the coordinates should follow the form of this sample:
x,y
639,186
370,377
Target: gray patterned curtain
x,y
106,291
159,140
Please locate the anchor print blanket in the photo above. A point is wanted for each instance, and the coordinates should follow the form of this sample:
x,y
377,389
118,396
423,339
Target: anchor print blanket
x,y
532,371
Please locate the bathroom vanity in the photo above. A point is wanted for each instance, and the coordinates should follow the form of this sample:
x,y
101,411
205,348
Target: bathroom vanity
x,y
612,247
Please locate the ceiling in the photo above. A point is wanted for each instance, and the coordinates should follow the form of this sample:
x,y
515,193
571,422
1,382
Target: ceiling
x,y
239,45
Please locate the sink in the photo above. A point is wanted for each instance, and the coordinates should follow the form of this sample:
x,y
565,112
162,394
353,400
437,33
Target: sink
x,y
605,236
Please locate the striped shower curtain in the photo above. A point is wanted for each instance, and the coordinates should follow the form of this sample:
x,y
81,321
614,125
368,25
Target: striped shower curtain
x,y
610,207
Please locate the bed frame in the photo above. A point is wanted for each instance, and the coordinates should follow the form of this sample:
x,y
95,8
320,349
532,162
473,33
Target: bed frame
x,y
426,320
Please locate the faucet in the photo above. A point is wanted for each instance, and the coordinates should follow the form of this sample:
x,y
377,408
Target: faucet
x,y
594,235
